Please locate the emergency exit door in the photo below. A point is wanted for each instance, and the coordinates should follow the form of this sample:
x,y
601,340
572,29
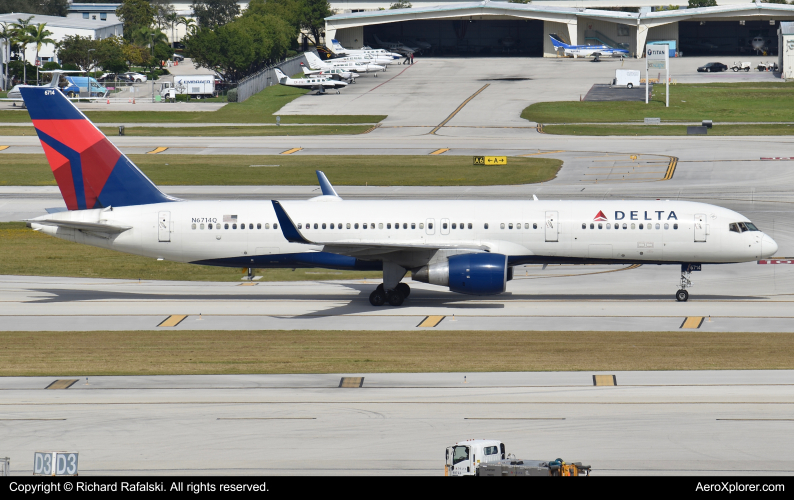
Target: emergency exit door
x,y
700,227
552,226
164,226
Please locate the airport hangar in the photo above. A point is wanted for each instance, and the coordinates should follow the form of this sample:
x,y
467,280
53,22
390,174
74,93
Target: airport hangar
x,y
501,28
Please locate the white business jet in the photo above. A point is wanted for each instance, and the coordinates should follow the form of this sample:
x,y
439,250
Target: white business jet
x,y
467,246
594,51
379,56
15,95
349,65
318,83
397,47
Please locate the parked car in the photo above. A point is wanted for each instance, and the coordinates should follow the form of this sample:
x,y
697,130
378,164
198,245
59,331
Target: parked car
x,y
178,57
112,77
712,67
135,77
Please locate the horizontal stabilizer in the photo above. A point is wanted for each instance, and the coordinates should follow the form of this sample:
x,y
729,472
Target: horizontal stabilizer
x,y
95,227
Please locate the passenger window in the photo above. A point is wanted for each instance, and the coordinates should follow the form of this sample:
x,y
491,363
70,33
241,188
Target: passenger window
x,y
469,225
275,226
413,225
584,226
209,226
388,225
454,225
534,225
242,226
250,226
365,225
599,226
347,226
667,226
510,226
234,226
380,225
640,225
421,225
443,225
592,226
609,226
624,226
339,225
486,225
526,225
502,225
405,225
192,226
429,225
323,225
315,225
617,226
226,226
632,226
355,226
201,226
657,225
259,225
332,226
267,225
675,226
300,226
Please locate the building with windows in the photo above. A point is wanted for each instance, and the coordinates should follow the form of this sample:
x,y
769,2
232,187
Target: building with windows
x,y
101,12
489,28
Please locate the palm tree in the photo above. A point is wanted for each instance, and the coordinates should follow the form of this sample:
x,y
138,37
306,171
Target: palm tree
x,y
22,37
6,34
190,24
172,19
38,36
149,37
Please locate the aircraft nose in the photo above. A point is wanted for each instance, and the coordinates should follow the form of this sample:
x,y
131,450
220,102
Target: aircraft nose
x,y
768,246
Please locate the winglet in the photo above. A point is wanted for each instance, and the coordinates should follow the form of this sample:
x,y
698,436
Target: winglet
x,y
325,185
288,228
534,197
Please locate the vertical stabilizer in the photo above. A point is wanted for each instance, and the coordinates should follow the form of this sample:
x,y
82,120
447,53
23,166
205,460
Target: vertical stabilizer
x,y
90,171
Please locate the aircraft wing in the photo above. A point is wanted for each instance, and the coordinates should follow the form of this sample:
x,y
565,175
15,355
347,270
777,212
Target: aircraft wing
x,y
94,227
362,248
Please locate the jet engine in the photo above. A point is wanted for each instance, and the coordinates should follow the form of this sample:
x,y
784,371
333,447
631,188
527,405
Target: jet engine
x,y
473,273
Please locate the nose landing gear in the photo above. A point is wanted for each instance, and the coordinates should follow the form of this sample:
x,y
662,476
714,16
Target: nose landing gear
x,y
686,281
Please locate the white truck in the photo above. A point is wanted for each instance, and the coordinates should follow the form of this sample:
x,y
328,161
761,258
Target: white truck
x,y
626,78
196,86
486,457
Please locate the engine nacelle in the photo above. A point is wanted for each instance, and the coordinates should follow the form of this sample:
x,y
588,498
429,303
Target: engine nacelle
x,y
473,273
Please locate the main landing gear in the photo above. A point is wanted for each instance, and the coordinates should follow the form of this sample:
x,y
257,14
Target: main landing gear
x,y
686,282
394,297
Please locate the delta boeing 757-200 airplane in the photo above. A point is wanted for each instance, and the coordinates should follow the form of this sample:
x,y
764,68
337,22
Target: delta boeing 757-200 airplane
x,y
470,247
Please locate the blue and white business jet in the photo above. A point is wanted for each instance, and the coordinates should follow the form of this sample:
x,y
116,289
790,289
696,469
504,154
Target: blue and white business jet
x,y
468,246
595,51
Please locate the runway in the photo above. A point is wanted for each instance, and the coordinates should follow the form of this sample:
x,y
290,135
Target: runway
x,y
652,423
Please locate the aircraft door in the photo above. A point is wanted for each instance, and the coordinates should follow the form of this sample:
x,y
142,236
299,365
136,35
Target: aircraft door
x,y
430,226
164,226
700,227
552,226
444,226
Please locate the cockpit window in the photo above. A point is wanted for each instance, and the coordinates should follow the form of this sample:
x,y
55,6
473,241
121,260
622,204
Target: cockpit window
x,y
459,454
740,227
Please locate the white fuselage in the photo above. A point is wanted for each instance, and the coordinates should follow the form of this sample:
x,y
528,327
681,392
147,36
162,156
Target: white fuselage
x,y
525,231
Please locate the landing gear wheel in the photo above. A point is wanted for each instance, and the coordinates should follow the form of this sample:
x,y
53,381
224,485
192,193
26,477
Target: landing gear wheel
x,y
681,295
395,298
631,85
377,298
403,289
337,91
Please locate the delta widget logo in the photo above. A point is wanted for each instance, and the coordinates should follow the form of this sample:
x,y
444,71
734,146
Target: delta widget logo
x,y
600,216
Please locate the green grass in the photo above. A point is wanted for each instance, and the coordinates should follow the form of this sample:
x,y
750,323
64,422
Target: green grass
x,y
721,102
227,131
257,109
183,352
299,170
25,252
718,130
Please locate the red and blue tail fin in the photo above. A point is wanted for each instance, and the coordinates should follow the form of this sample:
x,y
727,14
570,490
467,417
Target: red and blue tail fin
x,y
91,172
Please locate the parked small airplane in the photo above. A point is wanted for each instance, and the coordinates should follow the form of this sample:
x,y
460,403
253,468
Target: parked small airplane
x,y
760,45
595,51
398,47
331,73
357,66
15,95
318,83
340,51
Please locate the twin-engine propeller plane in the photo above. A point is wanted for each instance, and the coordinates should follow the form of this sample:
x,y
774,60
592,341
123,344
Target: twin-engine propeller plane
x,y
468,246
316,82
